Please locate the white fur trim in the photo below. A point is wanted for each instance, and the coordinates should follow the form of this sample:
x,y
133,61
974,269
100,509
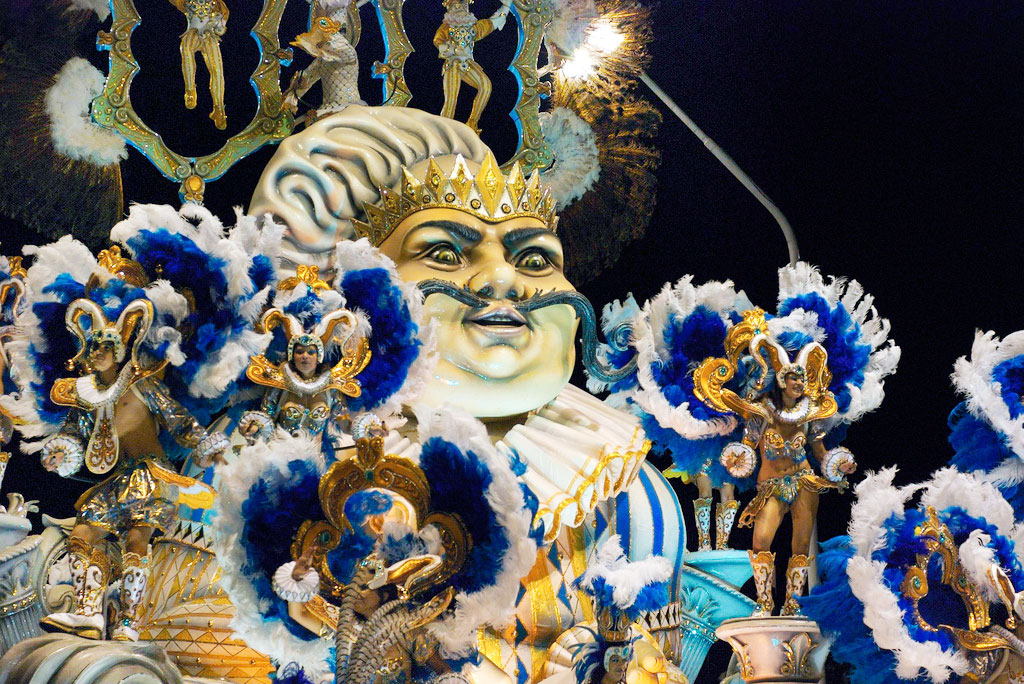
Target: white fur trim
x,y
976,557
801,278
973,378
261,461
576,167
73,133
493,605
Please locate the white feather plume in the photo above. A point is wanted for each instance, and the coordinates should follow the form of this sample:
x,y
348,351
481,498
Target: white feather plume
x,y
493,605
73,133
973,378
100,7
627,578
262,461
574,145
950,488
976,557
571,19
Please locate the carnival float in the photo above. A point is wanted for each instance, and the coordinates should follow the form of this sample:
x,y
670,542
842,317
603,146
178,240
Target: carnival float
x,y
337,441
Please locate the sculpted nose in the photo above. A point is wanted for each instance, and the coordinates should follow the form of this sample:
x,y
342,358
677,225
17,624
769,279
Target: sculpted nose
x,y
496,279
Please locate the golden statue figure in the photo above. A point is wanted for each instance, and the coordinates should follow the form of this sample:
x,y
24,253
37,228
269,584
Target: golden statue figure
x,y
207,22
455,39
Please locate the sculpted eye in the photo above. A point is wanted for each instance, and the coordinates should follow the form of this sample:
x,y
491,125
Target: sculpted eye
x,y
444,254
533,260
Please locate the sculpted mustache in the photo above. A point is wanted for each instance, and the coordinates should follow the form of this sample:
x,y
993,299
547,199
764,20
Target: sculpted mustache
x,y
597,369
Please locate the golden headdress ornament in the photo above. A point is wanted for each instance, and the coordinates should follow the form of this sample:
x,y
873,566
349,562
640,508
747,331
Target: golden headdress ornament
x,y
136,318
751,336
489,195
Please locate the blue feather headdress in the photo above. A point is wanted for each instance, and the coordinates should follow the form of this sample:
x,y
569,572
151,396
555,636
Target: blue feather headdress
x,y
839,315
861,603
622,591
988,426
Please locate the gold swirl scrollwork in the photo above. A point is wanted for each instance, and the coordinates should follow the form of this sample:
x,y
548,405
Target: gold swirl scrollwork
x,y
113,108
939,540
370,468
392,69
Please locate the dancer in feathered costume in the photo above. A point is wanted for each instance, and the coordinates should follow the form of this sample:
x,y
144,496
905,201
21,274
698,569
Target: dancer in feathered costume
x,y
915,594
987,428
352,348
677,329
100,352
423,552
793,406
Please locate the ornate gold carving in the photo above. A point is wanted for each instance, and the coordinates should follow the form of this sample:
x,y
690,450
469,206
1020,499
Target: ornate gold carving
x,y
392,69
938,540
122,267
488,195
16,267
310,275
63,392
533,17
113,107
797,652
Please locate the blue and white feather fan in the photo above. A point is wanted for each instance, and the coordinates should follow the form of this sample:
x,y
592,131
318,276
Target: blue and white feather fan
x,y
988,428
860,353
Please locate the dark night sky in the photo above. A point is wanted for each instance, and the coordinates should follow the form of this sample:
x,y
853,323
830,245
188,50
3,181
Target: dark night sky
x,y
888,133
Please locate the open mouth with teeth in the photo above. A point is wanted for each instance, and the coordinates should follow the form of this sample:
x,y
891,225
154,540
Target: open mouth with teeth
x,y
499,321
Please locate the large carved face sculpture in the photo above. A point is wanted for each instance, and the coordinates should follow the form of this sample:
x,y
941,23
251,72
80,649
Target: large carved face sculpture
x,y
494,361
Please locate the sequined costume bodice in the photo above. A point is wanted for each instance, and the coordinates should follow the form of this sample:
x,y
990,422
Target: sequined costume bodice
x,y
203,15
295,417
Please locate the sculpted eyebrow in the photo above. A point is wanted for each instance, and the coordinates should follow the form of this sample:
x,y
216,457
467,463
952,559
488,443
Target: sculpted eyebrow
x,y
459,230
514,237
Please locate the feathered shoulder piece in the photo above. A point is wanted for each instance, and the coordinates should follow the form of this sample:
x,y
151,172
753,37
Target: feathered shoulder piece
x,y
840,315
987,428
391,311
917,592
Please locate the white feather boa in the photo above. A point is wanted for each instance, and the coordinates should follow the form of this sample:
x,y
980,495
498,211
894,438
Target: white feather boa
x,y
262,461
73,133
576,167
802,278
878,500
678,301
493,605
973,378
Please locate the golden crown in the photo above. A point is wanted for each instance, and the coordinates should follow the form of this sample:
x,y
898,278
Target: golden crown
x,y
489,195
613,624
